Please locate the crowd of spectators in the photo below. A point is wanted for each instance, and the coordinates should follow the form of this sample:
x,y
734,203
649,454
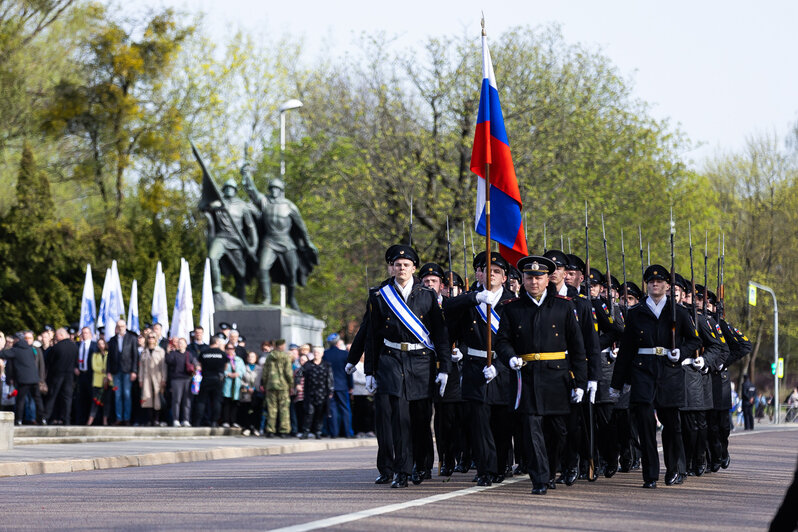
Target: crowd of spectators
x,y
67,377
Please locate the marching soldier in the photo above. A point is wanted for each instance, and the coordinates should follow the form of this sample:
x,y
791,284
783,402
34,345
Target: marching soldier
x,y
484,387
718,422
407,334
577,439
650,363
539,338
698,383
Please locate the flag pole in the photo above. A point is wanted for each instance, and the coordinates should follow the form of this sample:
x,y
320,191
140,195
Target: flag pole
x,y
486,270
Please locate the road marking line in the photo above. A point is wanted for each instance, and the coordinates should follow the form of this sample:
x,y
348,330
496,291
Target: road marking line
x,y
363,514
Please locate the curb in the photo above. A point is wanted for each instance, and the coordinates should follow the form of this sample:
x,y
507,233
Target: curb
x,y
69,465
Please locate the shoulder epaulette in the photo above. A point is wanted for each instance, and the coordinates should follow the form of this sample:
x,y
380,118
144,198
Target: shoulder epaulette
x,y
563,297
505,301
583,296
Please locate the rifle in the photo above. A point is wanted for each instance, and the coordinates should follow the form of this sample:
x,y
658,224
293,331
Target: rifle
x,y
367,279
449,249
706,242
692,275
465,262
591,467
623,266
609,277
562,243
471,235
722,289
206,178
673,285
411,221
642,269
526,230
544,238
569,244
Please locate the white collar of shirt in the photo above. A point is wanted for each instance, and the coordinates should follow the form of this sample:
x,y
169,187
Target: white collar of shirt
x,y
542,298
564,290
404,292
656,308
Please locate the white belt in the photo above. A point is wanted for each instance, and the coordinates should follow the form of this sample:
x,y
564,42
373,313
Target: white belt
x,y
659,351
404,346
477,353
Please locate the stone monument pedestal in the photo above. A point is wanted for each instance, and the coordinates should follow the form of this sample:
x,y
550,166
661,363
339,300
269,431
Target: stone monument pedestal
x,y
259,323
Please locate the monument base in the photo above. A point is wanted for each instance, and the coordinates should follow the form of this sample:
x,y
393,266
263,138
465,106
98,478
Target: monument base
x,y
259,323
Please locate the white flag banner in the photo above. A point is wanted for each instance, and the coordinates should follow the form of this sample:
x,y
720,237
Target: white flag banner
x,y
104,299
115,309
160,311
88,311
207,308
133,309
182,315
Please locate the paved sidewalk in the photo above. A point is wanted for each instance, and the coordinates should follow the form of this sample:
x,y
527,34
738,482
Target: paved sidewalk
x,y
68,457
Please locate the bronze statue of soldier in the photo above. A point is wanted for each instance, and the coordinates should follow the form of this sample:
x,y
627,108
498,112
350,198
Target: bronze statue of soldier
x,y
286,254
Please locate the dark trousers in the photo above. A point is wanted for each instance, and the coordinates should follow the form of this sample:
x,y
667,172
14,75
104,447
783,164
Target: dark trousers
x,y
748,416
401,434
718,429
362,414
103,395
313,417
448,432
384,432
299,408
23,391
606,433
229,410
82,398
694,436
673,448
544,437
628,440
576,443
209,402
501,429
181,399
421,425
60,395
483,447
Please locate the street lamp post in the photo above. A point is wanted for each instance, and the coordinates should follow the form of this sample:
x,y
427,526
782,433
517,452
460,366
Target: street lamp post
x,y
775,345
287,106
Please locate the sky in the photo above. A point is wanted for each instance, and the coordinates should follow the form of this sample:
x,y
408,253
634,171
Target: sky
x,y
721,71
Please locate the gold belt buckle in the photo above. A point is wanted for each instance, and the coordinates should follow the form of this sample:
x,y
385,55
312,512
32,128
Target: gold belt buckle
x,y
537,356
403,346
658,351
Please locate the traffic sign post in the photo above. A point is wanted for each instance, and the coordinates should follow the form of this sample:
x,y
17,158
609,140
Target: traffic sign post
x,y
778,363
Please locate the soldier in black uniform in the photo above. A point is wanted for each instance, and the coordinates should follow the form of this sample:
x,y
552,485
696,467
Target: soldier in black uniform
x,y
718,420
485,388
540,338
650,363
407,334
698,383
446,415
577,442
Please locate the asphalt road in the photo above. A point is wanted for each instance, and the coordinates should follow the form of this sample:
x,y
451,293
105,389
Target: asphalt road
x,y
271,492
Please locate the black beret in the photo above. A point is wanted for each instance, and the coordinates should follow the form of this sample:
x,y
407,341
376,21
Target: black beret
x,y
430,268
400,251
657,272
559,258
536,265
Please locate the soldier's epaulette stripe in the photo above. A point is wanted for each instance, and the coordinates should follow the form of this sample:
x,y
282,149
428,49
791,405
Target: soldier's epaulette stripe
x,y
583,296
563,297
505,301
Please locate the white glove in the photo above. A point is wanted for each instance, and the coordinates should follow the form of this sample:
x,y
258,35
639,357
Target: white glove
x,y
626,388
615,393
674,355
614,353
349,368
576,395
720,367
490,373
441,379
371,384
592,388
516,363
698,363
457,356
485,296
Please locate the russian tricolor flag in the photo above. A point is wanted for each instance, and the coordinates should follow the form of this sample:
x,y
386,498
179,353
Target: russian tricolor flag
x,y
492,147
